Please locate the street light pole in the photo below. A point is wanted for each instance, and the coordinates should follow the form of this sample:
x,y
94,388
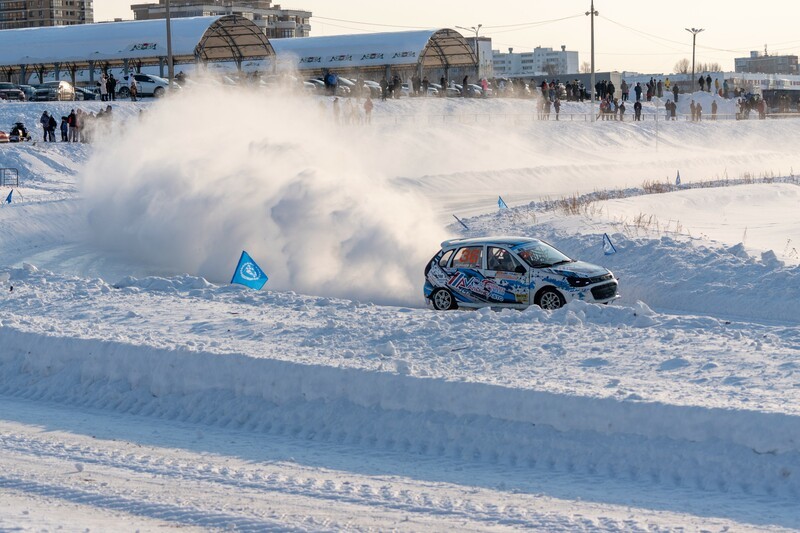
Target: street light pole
x,y
475,29
592,13
694,32
170,64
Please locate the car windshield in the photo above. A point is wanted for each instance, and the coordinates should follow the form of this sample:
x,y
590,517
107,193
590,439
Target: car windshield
x,y
540,255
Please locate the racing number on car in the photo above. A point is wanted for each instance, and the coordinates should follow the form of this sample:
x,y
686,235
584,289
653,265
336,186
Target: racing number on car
x,y
470,255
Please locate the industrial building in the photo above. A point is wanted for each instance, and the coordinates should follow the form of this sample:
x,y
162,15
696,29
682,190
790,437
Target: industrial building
x,y
766,64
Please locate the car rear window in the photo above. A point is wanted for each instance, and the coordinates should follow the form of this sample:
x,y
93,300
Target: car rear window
x,y
446,258
468,257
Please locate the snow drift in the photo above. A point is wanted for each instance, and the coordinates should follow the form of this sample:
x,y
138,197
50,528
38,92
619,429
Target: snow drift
x,y
270,175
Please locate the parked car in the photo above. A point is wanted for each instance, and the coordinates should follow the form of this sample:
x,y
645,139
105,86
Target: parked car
x,y
9,91
318,84
82,93
29,91
511,272
146,85
309,88
449,91
473,91
373,87
55,91
341,88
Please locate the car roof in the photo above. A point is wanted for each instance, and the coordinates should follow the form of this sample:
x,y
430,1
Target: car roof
x,y
500,240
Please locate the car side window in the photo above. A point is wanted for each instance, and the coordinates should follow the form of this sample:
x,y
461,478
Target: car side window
x,y
469,257
141,77
500,260
446,258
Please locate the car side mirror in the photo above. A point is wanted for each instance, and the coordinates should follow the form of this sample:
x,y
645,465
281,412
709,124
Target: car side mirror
x,y
520,269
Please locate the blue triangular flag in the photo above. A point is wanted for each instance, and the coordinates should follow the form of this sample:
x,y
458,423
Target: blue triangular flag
x,y
8,198
248,273
501,203
678,179
608,246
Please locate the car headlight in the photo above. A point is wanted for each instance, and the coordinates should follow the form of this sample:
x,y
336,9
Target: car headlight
x,y
577,282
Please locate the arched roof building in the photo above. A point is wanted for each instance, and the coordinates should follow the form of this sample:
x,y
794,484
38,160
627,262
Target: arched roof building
x,y
130,44
424,50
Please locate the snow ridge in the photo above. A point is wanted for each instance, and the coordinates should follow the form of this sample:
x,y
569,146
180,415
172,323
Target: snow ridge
x,y
473,421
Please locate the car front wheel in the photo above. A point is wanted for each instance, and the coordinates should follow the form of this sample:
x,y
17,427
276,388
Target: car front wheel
x,y
158,92
124,92
443,300
550,299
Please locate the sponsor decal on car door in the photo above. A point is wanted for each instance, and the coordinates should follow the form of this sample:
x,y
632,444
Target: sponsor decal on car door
x,y
508,275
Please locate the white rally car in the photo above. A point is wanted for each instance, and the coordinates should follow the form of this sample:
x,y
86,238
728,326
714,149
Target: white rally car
x,y
512,272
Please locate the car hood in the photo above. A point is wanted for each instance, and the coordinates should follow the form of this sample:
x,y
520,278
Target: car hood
x,y
579,269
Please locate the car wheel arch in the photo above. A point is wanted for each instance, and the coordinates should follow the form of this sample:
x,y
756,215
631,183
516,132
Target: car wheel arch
x,y
546,290
440,297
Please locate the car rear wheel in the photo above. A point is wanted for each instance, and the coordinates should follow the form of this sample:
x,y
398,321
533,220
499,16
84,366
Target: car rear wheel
x,y
443,300
550,299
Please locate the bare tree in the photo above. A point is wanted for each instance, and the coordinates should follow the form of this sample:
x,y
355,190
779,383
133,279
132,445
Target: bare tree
x,y
682,66
709,67
551,69
586,67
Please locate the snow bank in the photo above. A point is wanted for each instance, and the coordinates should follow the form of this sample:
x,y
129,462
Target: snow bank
x,y
606,388
745,450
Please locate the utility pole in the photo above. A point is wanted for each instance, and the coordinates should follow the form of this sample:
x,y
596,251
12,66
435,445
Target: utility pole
x,y
694,32
170,64
475,29
592,13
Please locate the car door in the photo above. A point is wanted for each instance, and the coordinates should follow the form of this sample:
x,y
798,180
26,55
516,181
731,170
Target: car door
x,y
466,281
145,84
507,278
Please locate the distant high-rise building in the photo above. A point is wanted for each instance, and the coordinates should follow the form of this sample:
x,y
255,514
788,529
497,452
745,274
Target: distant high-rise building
x,y
275,21
35,13
542,61
766,64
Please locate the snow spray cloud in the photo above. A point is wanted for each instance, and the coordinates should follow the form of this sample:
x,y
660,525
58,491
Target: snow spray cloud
x,y
198,178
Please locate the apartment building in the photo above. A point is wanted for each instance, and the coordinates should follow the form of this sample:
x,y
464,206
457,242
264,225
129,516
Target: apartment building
x,y
36,13
540,62
275,21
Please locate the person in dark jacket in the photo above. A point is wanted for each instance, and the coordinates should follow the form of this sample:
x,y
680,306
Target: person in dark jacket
x,y
44,120
638,90
637,110
702,82
112,87
72,120
708,83
51,129
64,130
464,86
675,92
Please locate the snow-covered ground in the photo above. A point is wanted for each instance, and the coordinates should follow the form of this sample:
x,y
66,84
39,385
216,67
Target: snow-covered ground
x,y
138,390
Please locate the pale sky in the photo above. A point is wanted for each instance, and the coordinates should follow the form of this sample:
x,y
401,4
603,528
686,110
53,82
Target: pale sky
x,y
629,35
